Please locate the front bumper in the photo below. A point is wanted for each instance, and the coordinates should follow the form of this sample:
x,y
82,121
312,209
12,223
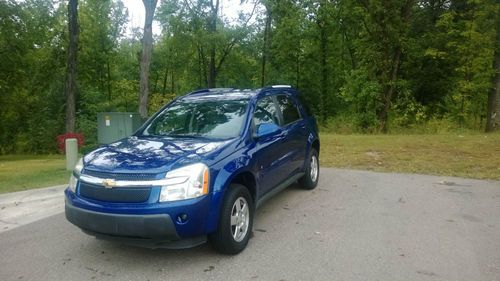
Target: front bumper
x,y
147,225
154,226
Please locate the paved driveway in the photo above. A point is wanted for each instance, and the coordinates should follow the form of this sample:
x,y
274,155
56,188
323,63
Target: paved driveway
x,y
355,226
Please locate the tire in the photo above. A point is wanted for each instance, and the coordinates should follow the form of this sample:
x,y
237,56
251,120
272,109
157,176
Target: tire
x,y
236,221
311,177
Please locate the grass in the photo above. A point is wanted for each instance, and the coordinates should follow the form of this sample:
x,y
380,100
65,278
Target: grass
x,y
468,155
472,156
21,172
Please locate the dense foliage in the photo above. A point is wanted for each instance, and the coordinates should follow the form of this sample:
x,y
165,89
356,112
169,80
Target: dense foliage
x,y
365,65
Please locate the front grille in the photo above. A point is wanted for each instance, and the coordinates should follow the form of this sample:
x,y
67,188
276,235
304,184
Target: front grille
x,y
116,194
120,176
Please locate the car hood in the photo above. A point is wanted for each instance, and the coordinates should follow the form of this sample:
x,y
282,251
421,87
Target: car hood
x,y
153,155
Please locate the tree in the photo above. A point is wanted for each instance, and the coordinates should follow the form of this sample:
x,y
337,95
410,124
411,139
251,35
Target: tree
x,y
147,48
362,66
101,22
70,89
386,25
103,62
428,66
215,65
207,38
287,42
493,113
468,31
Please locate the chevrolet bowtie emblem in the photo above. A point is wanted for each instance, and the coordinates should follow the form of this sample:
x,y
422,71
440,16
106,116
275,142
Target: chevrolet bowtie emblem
x,y
109,183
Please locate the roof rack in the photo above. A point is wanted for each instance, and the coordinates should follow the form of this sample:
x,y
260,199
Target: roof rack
x,y
280,86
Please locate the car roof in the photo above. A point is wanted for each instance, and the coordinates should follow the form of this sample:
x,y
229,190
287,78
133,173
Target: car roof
x,y
234,94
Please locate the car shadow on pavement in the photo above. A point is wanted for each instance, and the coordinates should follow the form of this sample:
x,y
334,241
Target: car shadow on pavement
x,y
276,203
113,259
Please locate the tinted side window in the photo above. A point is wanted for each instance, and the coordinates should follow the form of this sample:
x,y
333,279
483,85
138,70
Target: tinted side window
x,y
265,112
288,109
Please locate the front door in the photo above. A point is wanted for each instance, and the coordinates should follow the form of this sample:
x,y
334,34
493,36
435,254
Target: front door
x,y
270,149
295,134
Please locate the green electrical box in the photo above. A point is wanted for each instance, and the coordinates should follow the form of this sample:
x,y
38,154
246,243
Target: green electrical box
x,y
113,126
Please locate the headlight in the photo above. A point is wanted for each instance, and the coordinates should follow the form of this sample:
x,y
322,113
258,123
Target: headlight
x,y
73,180
184,183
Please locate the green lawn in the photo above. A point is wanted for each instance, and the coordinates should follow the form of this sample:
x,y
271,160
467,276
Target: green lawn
x,y
472,156
21,172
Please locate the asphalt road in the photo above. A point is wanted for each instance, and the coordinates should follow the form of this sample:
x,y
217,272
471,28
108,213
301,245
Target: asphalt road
x,y
355,226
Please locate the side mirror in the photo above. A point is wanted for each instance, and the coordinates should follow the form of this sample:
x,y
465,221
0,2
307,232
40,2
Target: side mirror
x,y
266,129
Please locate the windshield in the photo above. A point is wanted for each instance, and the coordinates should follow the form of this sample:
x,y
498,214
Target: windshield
x,y
210,119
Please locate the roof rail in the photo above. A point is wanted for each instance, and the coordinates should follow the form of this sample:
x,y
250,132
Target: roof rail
x,y
270,87
198,91
210,90
222,89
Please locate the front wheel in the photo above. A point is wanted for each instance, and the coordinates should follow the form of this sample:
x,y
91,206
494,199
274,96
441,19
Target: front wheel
x,y
311,176
236,221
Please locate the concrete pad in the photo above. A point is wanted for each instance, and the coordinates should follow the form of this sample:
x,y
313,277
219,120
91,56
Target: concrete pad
x,y
23,207
356,225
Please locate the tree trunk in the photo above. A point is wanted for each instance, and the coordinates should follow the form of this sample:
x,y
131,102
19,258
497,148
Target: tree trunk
x,y
324,70
493,114
212,28
265,47
390,84
70,88
388,94
155,87
109,79
172,82
147,48
346,42
297,71
202,67
165,77
214,66
212,72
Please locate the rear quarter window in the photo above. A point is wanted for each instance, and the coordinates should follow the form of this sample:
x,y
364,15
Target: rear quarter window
x,y
288,109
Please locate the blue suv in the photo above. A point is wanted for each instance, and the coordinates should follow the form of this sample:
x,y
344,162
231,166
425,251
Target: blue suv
x,y
197,169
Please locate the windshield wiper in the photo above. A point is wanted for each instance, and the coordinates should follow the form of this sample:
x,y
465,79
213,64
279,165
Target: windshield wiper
x,y
148,136
182,136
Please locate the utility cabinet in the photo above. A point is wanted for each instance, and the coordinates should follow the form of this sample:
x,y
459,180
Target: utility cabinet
x,y
113,126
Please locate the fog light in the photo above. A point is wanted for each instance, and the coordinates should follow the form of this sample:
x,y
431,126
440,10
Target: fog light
x,y
182,218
